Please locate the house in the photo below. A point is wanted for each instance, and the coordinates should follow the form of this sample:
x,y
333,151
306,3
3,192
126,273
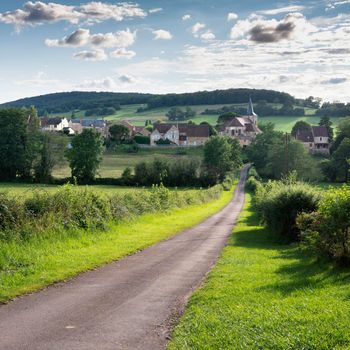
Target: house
x,y
243,128
315,140
99,125
135,130
76,126
180,134
53,124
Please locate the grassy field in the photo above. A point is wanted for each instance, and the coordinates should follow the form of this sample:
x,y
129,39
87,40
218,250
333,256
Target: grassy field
x,y
264,295
129,113
113,164
32,264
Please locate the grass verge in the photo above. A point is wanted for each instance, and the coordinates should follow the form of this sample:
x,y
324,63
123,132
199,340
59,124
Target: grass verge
x,y
41,261
263,295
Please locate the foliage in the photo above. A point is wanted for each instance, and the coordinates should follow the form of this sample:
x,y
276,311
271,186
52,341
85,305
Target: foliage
x,y
176,113
299,127
280,202
85,155
142,140
326,121
75,208
336,109
102,111
19,142
327,231
52,154
221,156
119,133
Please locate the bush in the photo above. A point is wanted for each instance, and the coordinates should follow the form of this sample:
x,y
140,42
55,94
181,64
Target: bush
x,y
327,231
227,183
279,203
72,207
142,140
252,184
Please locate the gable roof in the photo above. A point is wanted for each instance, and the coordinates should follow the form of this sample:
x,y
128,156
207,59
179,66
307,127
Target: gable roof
x,y
305,136
194,130
163,128
51,121
320,131
235,122
93,123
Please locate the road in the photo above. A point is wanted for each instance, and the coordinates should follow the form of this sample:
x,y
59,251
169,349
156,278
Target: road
x,y
129,304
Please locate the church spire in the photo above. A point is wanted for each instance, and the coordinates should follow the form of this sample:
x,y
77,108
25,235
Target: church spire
x,y
250,109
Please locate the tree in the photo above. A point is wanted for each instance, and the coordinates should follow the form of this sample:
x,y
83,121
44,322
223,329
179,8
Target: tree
x,y
85,155
176,113
190,113
119,133
281,161
226,117
221,156
52,153
326,121
19,142
340,158
258,151
299,127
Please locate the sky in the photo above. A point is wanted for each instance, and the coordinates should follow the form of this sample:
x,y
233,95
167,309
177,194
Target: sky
x,y
162,46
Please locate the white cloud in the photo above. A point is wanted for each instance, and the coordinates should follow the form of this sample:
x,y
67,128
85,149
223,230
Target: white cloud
x,y
336,3
186,17
197,27
162,34
276,11
127,79
36,13
208,35
232,16
123,53
92,55
156,10
82,37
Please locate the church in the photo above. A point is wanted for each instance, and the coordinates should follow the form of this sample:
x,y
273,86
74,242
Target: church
x,y
243,128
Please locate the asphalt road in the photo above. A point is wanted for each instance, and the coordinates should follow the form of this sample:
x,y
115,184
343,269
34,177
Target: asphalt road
x,y
129,304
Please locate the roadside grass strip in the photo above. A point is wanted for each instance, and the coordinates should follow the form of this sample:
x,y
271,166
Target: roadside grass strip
x,y
265,295
39,261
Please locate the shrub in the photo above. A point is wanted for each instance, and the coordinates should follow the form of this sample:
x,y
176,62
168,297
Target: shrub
x,y
227,183
11,212
327,231
280,203
252,184
142,140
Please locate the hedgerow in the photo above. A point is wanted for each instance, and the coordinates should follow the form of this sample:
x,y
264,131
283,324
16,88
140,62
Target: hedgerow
x,y
74,208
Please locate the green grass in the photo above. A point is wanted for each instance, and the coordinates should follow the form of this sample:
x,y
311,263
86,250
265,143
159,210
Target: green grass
x,y
285,123
264,295
113,164
30,265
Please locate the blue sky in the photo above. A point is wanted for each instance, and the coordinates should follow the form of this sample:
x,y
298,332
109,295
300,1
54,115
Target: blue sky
x,y
301,47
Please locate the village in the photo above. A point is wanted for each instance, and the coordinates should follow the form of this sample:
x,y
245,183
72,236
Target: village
x,y
244,128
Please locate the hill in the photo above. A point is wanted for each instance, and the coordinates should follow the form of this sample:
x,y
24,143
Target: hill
x,y
79,100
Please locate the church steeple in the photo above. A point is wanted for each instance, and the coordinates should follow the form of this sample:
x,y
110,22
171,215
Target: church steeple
x,y
250,109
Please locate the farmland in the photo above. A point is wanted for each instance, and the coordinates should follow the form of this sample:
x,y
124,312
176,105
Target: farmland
x,y
129,113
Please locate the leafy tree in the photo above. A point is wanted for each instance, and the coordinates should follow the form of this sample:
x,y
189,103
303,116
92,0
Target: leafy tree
x,y
226,117
190,113
176,113
52,154
299,127
220,157
296,158
85,155
258,151
340,159
326,121
119,133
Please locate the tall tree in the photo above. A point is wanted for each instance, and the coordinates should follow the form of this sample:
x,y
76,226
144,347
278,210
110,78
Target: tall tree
x,y
85,155
13,124
326,121
119,133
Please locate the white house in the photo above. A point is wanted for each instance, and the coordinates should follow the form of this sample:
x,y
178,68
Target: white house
x,y
54,124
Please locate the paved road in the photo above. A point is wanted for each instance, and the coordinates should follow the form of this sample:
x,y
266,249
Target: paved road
x,y
130,304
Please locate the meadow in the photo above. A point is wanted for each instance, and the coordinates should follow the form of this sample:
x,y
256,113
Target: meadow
x,y
129,113
266,295
114,163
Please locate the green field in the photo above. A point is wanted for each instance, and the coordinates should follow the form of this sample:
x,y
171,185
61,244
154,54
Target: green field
x,y
30,264
113,164
266,295
129,113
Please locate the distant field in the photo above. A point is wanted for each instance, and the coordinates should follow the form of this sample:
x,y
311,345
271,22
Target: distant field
x,y
286,123
113,164
129,113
